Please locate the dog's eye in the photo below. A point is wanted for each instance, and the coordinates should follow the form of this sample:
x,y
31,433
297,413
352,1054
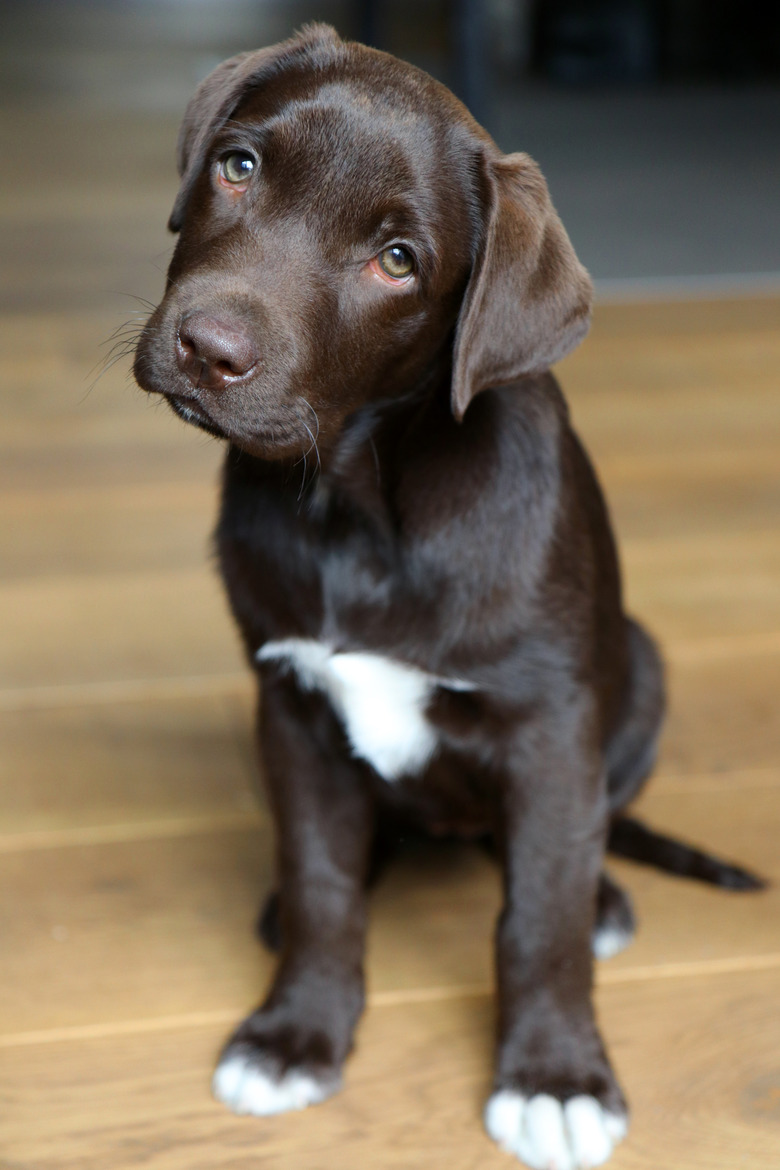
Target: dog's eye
x,y
238,166
396,262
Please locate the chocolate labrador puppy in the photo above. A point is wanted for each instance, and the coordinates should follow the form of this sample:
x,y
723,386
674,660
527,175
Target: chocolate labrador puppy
x,y
364,301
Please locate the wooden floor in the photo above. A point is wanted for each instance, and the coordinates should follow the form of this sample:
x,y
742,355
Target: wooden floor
x,y
133,855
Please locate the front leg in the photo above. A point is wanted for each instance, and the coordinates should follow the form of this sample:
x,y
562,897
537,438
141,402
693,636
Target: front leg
x,y
289,1053
556,1103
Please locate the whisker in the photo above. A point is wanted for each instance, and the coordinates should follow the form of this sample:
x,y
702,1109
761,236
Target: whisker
x,y
314,412
121,344
314,445
149,306
315,436
303,478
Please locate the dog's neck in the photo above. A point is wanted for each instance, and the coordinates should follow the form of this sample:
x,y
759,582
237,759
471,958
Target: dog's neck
x,y
364,461
361,468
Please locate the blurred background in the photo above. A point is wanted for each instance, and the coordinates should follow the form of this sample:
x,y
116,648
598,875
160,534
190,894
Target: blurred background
x,y
133,849
657,122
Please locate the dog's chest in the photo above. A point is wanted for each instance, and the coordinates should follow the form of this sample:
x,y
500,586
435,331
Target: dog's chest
x,y
380,701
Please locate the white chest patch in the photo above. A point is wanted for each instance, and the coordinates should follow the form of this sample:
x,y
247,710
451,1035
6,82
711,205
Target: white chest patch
x,y
380,702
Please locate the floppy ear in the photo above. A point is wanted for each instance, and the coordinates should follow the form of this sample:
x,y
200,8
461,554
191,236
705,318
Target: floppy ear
x,y
217,96
528,301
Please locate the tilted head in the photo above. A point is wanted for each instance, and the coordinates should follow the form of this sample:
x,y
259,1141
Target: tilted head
x,y
349,235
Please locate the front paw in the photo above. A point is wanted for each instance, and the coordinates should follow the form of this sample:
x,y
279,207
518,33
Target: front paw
x,y
247,1083
265,1070
548,1134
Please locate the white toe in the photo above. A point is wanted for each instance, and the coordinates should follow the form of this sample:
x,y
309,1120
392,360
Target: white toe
x,y
544,1143
616,1125
244,1087
590,1141
504,1118
609,941
228,1076
548,1135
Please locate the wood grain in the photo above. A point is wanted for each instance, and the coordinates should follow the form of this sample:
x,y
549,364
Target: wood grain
x,y
162,924
119,528
60,630
124,763
133,855
414,1090
722,714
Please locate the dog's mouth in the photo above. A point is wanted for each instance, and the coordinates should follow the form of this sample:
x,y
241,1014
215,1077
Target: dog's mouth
x,y
279,440
192,412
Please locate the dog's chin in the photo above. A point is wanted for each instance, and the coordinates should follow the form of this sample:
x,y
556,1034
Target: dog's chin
x,y
193,412
271,447
276,443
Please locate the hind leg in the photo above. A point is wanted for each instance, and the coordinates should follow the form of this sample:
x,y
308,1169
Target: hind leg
x,y
632,748
615,921
613,931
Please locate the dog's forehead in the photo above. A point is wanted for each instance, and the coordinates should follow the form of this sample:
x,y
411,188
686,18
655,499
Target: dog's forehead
x,y
389,93
337,129
352,138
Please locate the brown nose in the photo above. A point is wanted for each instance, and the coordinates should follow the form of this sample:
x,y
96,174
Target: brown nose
x,y
213,353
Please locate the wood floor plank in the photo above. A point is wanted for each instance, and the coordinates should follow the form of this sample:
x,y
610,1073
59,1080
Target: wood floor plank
x,y
115,626
638,401
131,929
78,762
721,586
714,503
689,921
119,528
666,501
641,395
673,346
68,760
125,763
657,394
57,466
67,426
156,927
631,375
683,586
652,319
59,630
647,411
698,1058
449,897
722,714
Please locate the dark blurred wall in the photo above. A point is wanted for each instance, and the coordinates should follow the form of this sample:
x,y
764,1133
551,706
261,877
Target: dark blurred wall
x,y
597,41
656,122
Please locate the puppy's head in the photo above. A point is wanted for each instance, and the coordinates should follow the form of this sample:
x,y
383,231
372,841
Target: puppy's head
x,y
348,235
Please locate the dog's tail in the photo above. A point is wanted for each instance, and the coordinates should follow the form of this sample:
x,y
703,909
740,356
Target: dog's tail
x,y
630,838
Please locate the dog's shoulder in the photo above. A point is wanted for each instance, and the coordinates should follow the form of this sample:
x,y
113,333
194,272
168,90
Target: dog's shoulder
x,y
502,459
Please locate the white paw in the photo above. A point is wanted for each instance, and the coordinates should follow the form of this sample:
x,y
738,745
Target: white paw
x,y
241,1084
550,1135
609,941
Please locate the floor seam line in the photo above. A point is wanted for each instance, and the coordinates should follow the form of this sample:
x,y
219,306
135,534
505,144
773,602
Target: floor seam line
x,y
391,998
